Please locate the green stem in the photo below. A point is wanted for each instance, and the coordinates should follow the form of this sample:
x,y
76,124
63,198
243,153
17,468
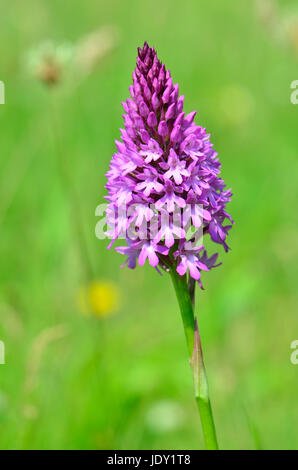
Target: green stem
x,y
193,342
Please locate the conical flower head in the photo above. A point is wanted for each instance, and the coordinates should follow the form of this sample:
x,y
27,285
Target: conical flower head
x,y
164,189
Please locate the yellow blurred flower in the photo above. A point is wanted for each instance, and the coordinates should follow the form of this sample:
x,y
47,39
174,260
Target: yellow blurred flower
x,y
99,298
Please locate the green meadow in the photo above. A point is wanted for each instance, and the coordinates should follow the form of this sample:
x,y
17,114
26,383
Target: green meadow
x,y
95,354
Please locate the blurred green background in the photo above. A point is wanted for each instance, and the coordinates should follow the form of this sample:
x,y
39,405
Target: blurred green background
x,y
118,378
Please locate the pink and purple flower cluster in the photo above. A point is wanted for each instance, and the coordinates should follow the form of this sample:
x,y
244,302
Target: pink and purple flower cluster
x,y
164,163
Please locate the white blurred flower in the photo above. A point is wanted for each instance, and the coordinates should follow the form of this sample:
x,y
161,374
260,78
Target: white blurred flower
x,y
94,47
52,63
164,416
266,11
290,25
49,61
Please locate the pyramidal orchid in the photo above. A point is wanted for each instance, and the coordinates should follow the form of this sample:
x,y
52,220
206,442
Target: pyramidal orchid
x,y
165,195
